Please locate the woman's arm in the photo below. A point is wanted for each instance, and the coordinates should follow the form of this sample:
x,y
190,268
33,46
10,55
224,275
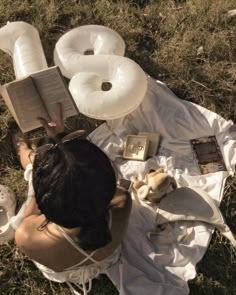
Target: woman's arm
x,y
27,156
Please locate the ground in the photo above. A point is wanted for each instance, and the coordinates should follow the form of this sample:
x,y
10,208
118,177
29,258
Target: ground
x,y
188,44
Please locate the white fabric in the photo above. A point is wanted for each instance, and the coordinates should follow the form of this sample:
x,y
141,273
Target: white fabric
x,y
192,204
182,203
155,266
80,275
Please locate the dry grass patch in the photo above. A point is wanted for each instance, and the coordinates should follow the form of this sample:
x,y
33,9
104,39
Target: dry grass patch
x,y
189,45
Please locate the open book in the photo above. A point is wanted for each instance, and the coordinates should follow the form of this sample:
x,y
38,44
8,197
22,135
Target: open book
x,y
36,96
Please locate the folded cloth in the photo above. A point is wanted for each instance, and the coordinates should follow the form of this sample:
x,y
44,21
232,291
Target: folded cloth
x,y
191,204
159,265
179,204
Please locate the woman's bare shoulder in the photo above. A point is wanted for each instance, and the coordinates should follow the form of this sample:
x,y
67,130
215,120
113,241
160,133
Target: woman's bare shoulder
x,y
27,232
37,241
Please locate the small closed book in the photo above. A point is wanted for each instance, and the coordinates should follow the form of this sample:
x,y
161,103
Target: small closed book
x,y
208,154
37,96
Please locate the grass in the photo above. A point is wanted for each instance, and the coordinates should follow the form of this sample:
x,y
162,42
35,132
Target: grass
x,y
188,44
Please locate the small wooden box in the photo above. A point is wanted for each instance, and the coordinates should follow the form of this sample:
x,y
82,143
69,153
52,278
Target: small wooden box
x,y
136,147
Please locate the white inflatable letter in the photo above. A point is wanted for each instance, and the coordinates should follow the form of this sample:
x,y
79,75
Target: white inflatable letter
x,y
80,44
21,40
93,57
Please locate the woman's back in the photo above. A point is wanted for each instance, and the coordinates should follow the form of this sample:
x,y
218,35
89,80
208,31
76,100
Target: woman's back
x,y
49,245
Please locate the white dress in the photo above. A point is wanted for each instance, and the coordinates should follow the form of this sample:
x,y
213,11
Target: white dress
x,y
78,274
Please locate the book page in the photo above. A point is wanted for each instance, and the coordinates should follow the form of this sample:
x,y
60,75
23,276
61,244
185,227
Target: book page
x,y
8,103
26,103
52,89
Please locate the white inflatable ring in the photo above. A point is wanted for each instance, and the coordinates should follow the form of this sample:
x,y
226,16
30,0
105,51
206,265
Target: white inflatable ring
x,y
126,81
21,40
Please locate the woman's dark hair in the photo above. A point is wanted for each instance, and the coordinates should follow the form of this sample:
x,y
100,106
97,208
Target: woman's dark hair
x,y
74,183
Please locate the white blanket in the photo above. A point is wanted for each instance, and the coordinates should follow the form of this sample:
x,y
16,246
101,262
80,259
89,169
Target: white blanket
x,y
163,264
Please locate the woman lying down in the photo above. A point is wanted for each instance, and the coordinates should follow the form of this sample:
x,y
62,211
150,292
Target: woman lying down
x,y
76,217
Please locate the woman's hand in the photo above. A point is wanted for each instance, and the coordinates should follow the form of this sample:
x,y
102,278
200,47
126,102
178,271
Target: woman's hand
x,y
54,127
120,198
